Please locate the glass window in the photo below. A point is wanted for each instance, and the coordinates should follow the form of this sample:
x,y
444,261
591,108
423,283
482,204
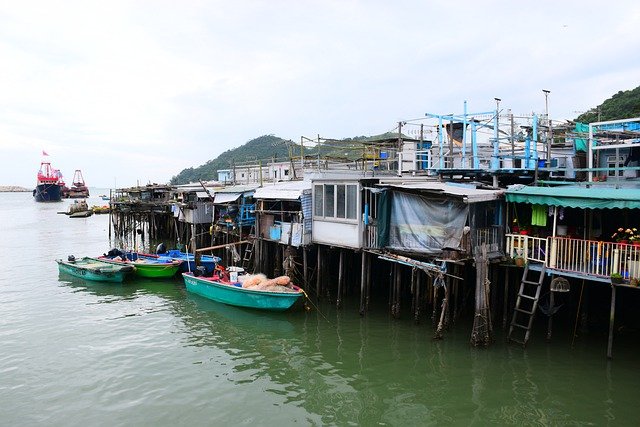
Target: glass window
x,y
352,200
340,201
318,203
329,200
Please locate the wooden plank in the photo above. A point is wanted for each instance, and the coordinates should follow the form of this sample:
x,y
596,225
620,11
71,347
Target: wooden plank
x,y
210,248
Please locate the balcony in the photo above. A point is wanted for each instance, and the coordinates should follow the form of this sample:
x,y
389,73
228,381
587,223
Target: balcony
x,y
590,259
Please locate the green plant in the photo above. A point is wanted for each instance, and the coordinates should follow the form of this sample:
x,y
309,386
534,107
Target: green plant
x,y
616,276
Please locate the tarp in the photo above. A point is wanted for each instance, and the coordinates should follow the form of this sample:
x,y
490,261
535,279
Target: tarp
x,y
595,197
283,191
424,225
226,197
468,193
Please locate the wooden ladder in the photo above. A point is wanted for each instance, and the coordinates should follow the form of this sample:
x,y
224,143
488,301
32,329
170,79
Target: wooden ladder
x,y
248,252
526,306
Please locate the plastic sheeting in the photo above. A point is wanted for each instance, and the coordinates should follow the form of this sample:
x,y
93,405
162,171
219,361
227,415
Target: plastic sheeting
x,y
419,224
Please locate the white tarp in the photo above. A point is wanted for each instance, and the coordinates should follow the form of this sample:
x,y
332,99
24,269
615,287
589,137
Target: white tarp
x,y
226,197
420,224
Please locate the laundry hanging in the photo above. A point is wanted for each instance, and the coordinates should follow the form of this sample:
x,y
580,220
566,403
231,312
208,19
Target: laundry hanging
x,y
539,215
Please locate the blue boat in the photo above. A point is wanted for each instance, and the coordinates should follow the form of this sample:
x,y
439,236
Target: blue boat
x,y
230,293
209,262
92,269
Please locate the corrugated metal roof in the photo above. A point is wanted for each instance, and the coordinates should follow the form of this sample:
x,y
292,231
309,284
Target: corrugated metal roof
x,y
291,190
470,193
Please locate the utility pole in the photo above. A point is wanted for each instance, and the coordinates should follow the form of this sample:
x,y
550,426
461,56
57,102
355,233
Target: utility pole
x,y
550,131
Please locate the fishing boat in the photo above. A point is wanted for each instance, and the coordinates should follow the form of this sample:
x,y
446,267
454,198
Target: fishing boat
x,y
101,209
92,269
79,209
78,188
145,266
48,188
189,262
267,294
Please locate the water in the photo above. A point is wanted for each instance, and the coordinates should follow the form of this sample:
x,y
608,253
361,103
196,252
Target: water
x,y
149,353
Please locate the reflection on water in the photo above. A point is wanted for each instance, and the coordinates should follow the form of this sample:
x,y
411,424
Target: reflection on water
x,y
146,352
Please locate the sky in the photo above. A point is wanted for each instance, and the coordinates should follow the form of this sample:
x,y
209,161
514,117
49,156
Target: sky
x,y
132,92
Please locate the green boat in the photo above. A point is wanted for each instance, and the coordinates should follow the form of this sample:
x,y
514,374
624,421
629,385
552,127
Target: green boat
x,y
96,270
234,294
145,267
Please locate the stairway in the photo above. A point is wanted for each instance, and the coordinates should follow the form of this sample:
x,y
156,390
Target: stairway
x,y
526,306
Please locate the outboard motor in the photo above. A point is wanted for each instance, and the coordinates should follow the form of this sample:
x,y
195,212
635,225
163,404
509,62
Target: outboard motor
x,y
161,249
114,252
71,258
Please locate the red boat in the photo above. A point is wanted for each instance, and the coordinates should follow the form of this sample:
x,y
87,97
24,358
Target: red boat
x,y
78,189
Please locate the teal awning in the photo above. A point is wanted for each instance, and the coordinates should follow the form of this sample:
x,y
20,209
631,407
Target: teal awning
x,y
595,197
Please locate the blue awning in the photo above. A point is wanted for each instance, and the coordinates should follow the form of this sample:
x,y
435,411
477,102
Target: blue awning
x,y
572,196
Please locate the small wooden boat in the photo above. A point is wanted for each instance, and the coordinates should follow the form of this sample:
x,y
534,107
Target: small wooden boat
x,y
81,214
92,269
221,289
209,262
145,266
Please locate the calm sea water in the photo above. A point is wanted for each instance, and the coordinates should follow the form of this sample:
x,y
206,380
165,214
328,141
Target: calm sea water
x,y
149,353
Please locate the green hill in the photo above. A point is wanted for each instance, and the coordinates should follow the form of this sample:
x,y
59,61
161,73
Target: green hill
x,y
622,105
267,148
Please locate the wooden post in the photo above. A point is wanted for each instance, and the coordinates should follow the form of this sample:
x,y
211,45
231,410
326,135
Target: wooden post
x,y
612,316
318,272
305,252
550,323
368,273
340,278
505,306
363,282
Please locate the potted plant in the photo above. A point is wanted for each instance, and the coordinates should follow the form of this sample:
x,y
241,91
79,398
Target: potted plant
x,y
633,281
616,278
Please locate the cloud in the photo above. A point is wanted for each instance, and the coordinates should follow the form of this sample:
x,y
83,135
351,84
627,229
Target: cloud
x,y
137,91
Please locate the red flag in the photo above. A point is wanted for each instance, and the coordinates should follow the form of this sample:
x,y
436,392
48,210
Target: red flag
x,y
44,153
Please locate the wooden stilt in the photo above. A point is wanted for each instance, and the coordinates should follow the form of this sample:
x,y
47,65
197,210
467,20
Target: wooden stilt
x,y
340,278
550,323
362,282
612,316
368,289
505,305
305,252
318,272
416,312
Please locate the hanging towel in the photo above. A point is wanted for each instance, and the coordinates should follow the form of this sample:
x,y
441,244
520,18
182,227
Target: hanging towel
x,y
539,215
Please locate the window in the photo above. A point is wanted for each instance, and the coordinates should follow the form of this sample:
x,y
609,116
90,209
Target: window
x,y
286,172
340,201
318,190
329,200
614,162
352,198
336,201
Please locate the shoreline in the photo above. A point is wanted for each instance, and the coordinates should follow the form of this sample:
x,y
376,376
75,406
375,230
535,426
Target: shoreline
x,y
13,189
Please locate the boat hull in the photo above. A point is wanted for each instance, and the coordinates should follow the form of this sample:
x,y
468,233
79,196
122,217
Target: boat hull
x,y
149,269
47,193
240,297
95,270
188,261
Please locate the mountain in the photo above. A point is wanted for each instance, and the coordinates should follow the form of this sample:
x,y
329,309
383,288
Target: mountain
x,y
622,105
267,148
